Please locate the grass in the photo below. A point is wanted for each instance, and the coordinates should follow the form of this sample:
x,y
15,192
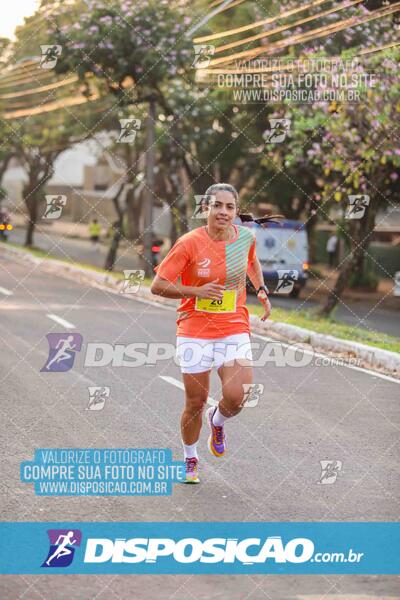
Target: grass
x,y
302,318
310,320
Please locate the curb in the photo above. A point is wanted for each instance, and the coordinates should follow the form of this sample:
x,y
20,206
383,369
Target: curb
x,y
375,357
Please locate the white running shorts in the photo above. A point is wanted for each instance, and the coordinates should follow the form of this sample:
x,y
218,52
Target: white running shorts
x,y
196,355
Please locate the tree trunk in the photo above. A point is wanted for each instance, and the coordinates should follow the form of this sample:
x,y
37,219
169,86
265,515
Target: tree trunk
x,y
340,285
113,249
31,201
173,232
118,233
360,235
4,166
134,206
312,242
39,169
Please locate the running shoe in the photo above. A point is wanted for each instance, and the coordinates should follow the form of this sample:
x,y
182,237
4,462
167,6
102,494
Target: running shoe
x,y
217,439
192,470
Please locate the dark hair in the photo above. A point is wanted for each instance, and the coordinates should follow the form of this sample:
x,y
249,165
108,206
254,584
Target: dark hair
x,y
244,217
222,187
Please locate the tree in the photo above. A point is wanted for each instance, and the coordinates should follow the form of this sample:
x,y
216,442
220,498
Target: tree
x,y
358,155
36,142
133,51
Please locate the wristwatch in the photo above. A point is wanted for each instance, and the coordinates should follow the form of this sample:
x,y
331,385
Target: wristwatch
x,y
263,288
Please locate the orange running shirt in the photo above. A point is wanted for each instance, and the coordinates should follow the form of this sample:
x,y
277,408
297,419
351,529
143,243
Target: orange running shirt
x,y
197,260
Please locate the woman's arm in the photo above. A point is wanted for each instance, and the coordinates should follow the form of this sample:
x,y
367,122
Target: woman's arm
x,y
162,287
254,271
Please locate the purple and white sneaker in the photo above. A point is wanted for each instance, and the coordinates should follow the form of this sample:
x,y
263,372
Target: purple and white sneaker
x,y
192,470
217,440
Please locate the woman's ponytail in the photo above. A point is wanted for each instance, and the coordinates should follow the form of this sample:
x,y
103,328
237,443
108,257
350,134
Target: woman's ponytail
x,y
244,217
248,218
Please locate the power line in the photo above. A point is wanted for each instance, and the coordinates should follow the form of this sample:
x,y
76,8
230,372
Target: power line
x,y
265,34
313,34
269,20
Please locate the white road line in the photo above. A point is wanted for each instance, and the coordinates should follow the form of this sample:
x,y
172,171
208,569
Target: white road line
x,y
294,347
61,321
180,385
6,292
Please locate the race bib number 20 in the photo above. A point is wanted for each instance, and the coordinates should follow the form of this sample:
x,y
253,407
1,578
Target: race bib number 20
x,y
226,304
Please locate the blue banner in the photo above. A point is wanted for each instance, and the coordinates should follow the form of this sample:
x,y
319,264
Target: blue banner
x,y
196,548
103,472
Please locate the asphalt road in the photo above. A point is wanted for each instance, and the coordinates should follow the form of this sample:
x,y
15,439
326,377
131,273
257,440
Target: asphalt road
x,y
364,315
307,414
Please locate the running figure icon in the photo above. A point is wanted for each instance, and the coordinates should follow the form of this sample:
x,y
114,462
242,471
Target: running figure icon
x,y
62,351
62,546
62,354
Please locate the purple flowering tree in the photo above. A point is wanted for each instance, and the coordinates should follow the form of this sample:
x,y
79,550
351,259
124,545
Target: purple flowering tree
x,y
336,150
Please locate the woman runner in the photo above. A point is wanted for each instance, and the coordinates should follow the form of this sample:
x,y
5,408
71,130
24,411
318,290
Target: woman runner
x,y
213,322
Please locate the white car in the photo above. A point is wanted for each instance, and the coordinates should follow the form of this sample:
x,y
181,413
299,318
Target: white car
x,y
282,249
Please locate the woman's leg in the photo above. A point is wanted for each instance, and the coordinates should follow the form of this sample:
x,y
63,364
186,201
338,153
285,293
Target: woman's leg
x,y
232,378
196,393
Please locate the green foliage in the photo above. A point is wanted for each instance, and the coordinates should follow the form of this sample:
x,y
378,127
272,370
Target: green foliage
x,y
122,43
366,278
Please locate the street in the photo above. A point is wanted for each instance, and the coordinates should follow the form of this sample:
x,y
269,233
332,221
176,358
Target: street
x,y
364,315
307,414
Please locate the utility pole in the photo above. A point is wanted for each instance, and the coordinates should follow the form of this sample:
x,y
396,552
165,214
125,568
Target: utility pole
x,y
149,189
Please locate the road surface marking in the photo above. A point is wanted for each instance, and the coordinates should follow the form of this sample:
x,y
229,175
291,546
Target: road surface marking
x,y
61,321
294,348
5,291
180,385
